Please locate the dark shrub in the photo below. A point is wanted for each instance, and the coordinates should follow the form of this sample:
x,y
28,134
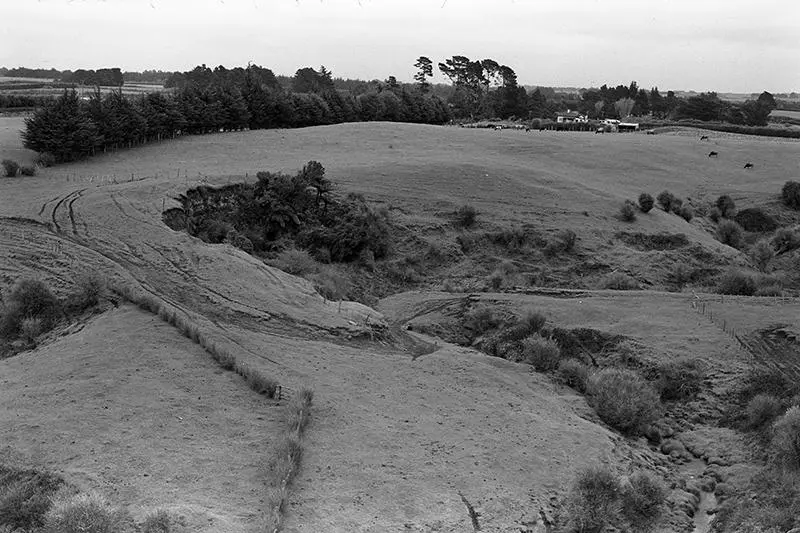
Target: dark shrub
x,y
646,202
755,219
27,170
791,194
736,282
573,373
465,216
730,233
761,410
619,281
762,253
786,240
45,160
665,200
623,400
540,352
714,214
88,291
10,168
643,499
480,319
770,381
28,299
534,320
627,211
726,206
676,205
680,379
158,522
686,213
595,500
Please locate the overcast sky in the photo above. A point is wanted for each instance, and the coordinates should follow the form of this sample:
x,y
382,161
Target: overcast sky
x,y
722,45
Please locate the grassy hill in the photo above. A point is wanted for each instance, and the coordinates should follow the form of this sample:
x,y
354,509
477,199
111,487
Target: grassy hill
x,y
401,438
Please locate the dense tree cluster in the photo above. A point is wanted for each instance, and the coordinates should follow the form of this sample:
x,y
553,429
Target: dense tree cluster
x,y
300,207
206,101
16,101
111,77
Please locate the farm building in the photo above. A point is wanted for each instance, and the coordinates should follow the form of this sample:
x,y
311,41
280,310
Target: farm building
x,y
570,116
628,126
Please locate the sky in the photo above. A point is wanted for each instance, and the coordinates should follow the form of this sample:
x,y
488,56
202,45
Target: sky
x,y
721,45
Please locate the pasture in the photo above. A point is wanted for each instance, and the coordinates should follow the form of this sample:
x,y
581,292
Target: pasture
x,y
399,440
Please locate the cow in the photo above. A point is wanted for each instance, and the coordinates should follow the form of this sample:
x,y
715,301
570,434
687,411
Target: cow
x,y
527,130
599,130
704,137
712,154
498,128
748,165
651,132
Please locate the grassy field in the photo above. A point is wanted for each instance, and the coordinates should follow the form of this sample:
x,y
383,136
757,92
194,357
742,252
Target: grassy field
x,y
784,113
400,441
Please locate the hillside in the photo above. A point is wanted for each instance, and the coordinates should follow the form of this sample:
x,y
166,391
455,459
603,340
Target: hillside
x,y
398,441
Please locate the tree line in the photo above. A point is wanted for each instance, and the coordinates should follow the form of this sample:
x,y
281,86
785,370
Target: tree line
x,y
206,101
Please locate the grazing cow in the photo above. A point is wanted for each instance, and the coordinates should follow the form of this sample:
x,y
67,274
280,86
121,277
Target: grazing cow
x,y
712,154
651,132
527,130
599,130
704,137
498,128
748,165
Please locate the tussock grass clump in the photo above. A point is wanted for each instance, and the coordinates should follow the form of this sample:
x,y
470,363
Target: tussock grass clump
x,y
594,501
257,381
627,211
786,439
465,216
573,373
772,289
730,233
299,411
297,262
623,400
30,329
157,522
25,497
665,200
541,353
84,513
646,202
90,289
10,168
619,281
761,410
45,160
790,194
643,499
331,283
680,379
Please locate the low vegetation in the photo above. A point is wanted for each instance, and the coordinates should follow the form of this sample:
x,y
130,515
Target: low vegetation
x,y
10,168
627,211
542,353
680,379
25,497
619,281
465,217
730,233
790,194
761,410
623,400
646,202
600,499
726,206
666,200
85,513
573,373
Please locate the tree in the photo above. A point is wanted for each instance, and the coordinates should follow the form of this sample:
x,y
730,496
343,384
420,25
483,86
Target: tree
x,y
63,128
624,106
425,71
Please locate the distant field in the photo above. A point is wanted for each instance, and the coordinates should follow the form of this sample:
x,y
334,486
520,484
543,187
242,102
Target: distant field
x,y
45,87
784,113
10,142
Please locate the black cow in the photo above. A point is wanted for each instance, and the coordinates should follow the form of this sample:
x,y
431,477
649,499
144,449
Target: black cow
x,y
748,165
712,154
704,137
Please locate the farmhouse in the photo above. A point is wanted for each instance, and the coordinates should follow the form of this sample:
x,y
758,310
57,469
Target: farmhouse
x,y
571,116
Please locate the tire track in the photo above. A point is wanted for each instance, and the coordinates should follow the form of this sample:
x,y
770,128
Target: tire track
x,y
72,214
